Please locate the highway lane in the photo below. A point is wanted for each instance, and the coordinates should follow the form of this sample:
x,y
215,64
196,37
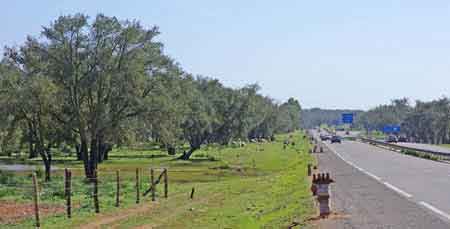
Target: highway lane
x,y
425,182
361,202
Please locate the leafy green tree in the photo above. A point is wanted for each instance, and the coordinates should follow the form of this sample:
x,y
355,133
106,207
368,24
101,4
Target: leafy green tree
x,y
102,73
31,99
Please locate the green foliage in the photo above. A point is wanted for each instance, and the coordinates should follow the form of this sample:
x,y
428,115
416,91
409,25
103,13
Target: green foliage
x,y
427,122
90,84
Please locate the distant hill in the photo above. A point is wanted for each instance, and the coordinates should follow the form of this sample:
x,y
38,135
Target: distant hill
x,y
316,116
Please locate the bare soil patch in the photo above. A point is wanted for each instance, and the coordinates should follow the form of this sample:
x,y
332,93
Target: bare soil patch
x,y
13,212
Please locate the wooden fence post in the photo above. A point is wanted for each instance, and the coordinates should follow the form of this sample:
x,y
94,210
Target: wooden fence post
x,y
117,188
96,204
192,193
166,184
138,186
36,200
152,179
68,192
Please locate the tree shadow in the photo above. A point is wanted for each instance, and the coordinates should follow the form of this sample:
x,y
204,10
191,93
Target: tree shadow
x,y
138,156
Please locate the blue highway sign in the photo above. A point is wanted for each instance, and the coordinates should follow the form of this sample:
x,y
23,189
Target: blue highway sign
x,y
347,118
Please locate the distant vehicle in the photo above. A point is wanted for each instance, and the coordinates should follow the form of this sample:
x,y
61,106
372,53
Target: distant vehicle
x,y
347,132
336,139
402,138
392,139
324,137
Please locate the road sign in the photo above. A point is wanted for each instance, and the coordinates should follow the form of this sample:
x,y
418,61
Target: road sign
x,y
347,118
395,128
391,129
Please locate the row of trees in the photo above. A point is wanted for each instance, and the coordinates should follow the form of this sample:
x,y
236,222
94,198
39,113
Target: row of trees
x,y
427,122
90,85
316,116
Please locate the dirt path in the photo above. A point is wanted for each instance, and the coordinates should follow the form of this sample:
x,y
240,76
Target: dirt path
x,y
107,219
114,220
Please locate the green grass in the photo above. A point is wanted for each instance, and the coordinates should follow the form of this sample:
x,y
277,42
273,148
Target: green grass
x,y
256,186
421,155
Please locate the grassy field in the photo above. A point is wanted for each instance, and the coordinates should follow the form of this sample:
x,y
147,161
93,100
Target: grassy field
x,y
260,185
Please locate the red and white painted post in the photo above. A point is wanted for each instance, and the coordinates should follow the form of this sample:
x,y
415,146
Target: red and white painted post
x,y
320,188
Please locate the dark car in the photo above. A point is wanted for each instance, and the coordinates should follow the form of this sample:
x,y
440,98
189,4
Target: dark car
x,y
392,139
336,139
402,138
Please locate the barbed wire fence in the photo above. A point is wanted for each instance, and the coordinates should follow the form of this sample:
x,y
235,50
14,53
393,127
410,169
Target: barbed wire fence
x,y
75,194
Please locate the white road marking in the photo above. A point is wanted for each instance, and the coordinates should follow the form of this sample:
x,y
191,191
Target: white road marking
x,y
361,169
434,209
399,191
373,176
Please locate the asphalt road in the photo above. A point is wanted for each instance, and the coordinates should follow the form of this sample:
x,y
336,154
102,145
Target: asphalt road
x,y
378,188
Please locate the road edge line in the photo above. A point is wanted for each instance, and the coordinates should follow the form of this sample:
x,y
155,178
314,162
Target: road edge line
x,y
399,191
434,209
373,176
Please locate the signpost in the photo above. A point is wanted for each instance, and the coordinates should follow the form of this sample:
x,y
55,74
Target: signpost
x,y
347,118
391,129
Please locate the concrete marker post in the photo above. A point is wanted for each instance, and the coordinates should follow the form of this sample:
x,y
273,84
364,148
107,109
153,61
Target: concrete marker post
x,y
320,188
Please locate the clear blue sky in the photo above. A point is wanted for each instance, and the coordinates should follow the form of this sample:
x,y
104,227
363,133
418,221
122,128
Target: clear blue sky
x,y
330,54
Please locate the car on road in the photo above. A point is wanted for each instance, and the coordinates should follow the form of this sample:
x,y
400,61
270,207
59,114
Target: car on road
x,y
336,139
324,137
402,138
392,139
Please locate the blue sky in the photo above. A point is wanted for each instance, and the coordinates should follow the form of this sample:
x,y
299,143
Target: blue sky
x,y
330,54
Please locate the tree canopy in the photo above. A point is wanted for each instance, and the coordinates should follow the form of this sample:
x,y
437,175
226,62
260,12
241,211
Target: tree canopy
x,y
93,84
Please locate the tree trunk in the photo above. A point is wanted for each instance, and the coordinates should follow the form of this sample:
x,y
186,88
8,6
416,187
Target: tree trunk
x,y
187,155
32,150
78,151
47,159
47,166
93,156
105,156
84,152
